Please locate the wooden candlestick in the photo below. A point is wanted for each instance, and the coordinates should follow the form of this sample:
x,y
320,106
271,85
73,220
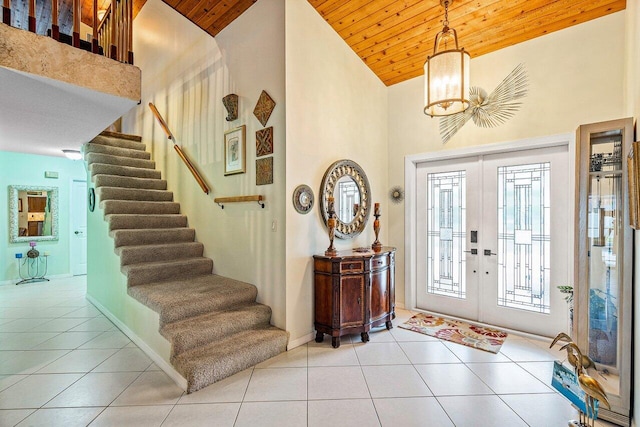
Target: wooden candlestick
x,y
376,246
331,225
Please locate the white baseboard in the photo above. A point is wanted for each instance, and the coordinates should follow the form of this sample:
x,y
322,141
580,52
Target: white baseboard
x,y
162,364
300,341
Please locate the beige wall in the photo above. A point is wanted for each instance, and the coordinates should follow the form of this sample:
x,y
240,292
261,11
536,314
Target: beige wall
x,y
186,73
336,109
575,77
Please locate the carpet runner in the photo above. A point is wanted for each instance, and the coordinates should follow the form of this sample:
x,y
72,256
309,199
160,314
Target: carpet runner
x,y
456,331
215,326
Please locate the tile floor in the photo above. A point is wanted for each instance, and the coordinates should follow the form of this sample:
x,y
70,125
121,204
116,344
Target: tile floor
x,y
62,363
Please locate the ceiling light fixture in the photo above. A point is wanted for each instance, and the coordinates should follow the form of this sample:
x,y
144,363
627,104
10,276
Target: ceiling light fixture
x,y
72,154
446,73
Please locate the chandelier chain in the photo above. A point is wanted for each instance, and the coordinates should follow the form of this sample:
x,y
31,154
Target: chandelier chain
x,y
446,14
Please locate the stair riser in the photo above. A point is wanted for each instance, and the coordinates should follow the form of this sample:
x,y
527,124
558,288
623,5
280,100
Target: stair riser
x,y
103,168
115,193
135,255
121,222
146,274
119,161
129,182
203,307
135,207
116,151
146,237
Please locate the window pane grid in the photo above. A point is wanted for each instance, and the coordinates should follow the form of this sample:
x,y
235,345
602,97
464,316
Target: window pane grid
x,y
524,239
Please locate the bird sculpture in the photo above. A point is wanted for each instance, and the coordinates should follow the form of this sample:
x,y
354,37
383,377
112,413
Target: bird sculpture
x,y
561,337
593,391
489,110
585,361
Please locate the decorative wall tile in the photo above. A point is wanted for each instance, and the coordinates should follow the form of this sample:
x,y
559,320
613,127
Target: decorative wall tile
x,y
264,171
230,102
264,107
264,142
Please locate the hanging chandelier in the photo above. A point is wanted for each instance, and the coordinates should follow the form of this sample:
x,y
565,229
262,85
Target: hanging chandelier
x,y
446,73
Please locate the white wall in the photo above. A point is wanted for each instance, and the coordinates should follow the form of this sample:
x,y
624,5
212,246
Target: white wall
x,y
336,109
186,73
575,77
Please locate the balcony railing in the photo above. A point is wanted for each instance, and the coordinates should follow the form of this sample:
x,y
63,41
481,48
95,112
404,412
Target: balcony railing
x,y
112,34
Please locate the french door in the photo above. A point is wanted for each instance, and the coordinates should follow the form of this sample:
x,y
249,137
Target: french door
x,y
493,238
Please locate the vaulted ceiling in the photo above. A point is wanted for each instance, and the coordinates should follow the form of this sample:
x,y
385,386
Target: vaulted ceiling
x,y
393,37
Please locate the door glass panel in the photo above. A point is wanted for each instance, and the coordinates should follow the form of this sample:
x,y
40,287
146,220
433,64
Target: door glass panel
x,y
446,233
524,237
605,247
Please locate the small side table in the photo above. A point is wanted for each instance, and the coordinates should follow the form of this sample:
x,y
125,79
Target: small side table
x,y
32,269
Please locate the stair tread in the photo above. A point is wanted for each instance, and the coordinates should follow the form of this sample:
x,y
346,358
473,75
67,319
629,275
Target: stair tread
x,y
119,135
108,180
193,296
114,150
154,246
121,170
210,363
110,159
165,264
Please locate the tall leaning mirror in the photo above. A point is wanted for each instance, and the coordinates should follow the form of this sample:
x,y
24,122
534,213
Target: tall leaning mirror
x,y
347,183
33,213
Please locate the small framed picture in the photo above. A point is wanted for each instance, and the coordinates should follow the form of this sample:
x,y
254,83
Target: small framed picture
x,y
234,151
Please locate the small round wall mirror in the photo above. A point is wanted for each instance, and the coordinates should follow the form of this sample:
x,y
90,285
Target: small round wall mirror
x,y
347,183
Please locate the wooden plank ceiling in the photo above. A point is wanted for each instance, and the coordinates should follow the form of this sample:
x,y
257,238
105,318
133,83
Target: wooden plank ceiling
x,y
394,37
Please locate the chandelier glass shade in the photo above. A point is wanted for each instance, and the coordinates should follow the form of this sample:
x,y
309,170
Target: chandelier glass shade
x,y
446,74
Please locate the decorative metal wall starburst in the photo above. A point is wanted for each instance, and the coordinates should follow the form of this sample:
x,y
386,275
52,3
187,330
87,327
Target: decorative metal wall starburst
x,y
489,111
396,194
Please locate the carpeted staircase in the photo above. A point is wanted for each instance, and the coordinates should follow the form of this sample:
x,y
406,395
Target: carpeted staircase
x,y
215,326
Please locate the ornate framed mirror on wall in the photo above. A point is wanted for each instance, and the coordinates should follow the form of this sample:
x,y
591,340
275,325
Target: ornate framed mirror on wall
x,y
347,183
33,213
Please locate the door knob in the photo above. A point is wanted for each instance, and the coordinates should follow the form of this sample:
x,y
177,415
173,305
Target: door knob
x,y
488,252
472,252
77,232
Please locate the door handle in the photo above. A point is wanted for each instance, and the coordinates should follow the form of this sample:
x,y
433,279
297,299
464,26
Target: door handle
x,y
472,252
487,252
76,232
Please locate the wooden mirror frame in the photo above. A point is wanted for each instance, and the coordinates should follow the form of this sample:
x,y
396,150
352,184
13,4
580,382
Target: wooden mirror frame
x,y
14,236
336,171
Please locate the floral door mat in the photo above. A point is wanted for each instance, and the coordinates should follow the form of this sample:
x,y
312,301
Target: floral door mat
x,y
456,331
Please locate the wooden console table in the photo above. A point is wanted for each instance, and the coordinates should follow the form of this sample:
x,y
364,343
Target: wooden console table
x,y
354,292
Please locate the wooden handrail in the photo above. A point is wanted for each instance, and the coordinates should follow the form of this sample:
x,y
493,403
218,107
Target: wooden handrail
x,y
55,28
6,12
184,158
32,16
239,199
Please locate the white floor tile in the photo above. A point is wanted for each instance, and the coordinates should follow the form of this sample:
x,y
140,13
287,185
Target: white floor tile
x,y
395,381
473,355
57,325
405,335
24,340
86,311
272,414
522,350
139,416
218,414
374,353
23,325
61,417
9,354
95,324
295,358
411,412
28,362
77,361
11,417
341,382
428,352
549,410
508,378
479,411
126,359
541,370
9,380
52,312
452,380
322,355
35,390
342,413
277,384
93,390
67,341
150,388
231,389
111,339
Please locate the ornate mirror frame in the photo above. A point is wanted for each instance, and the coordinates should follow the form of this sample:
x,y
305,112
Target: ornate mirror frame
x,y
333,174
13,214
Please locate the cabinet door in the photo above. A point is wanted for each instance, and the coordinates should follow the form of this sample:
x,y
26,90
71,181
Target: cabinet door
x,y
351,300
379,293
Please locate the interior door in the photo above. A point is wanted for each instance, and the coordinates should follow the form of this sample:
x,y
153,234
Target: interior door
x,y
78,245
493,238
447,249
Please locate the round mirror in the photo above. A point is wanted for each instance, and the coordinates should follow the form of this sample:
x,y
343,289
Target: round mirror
x,y
347,183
